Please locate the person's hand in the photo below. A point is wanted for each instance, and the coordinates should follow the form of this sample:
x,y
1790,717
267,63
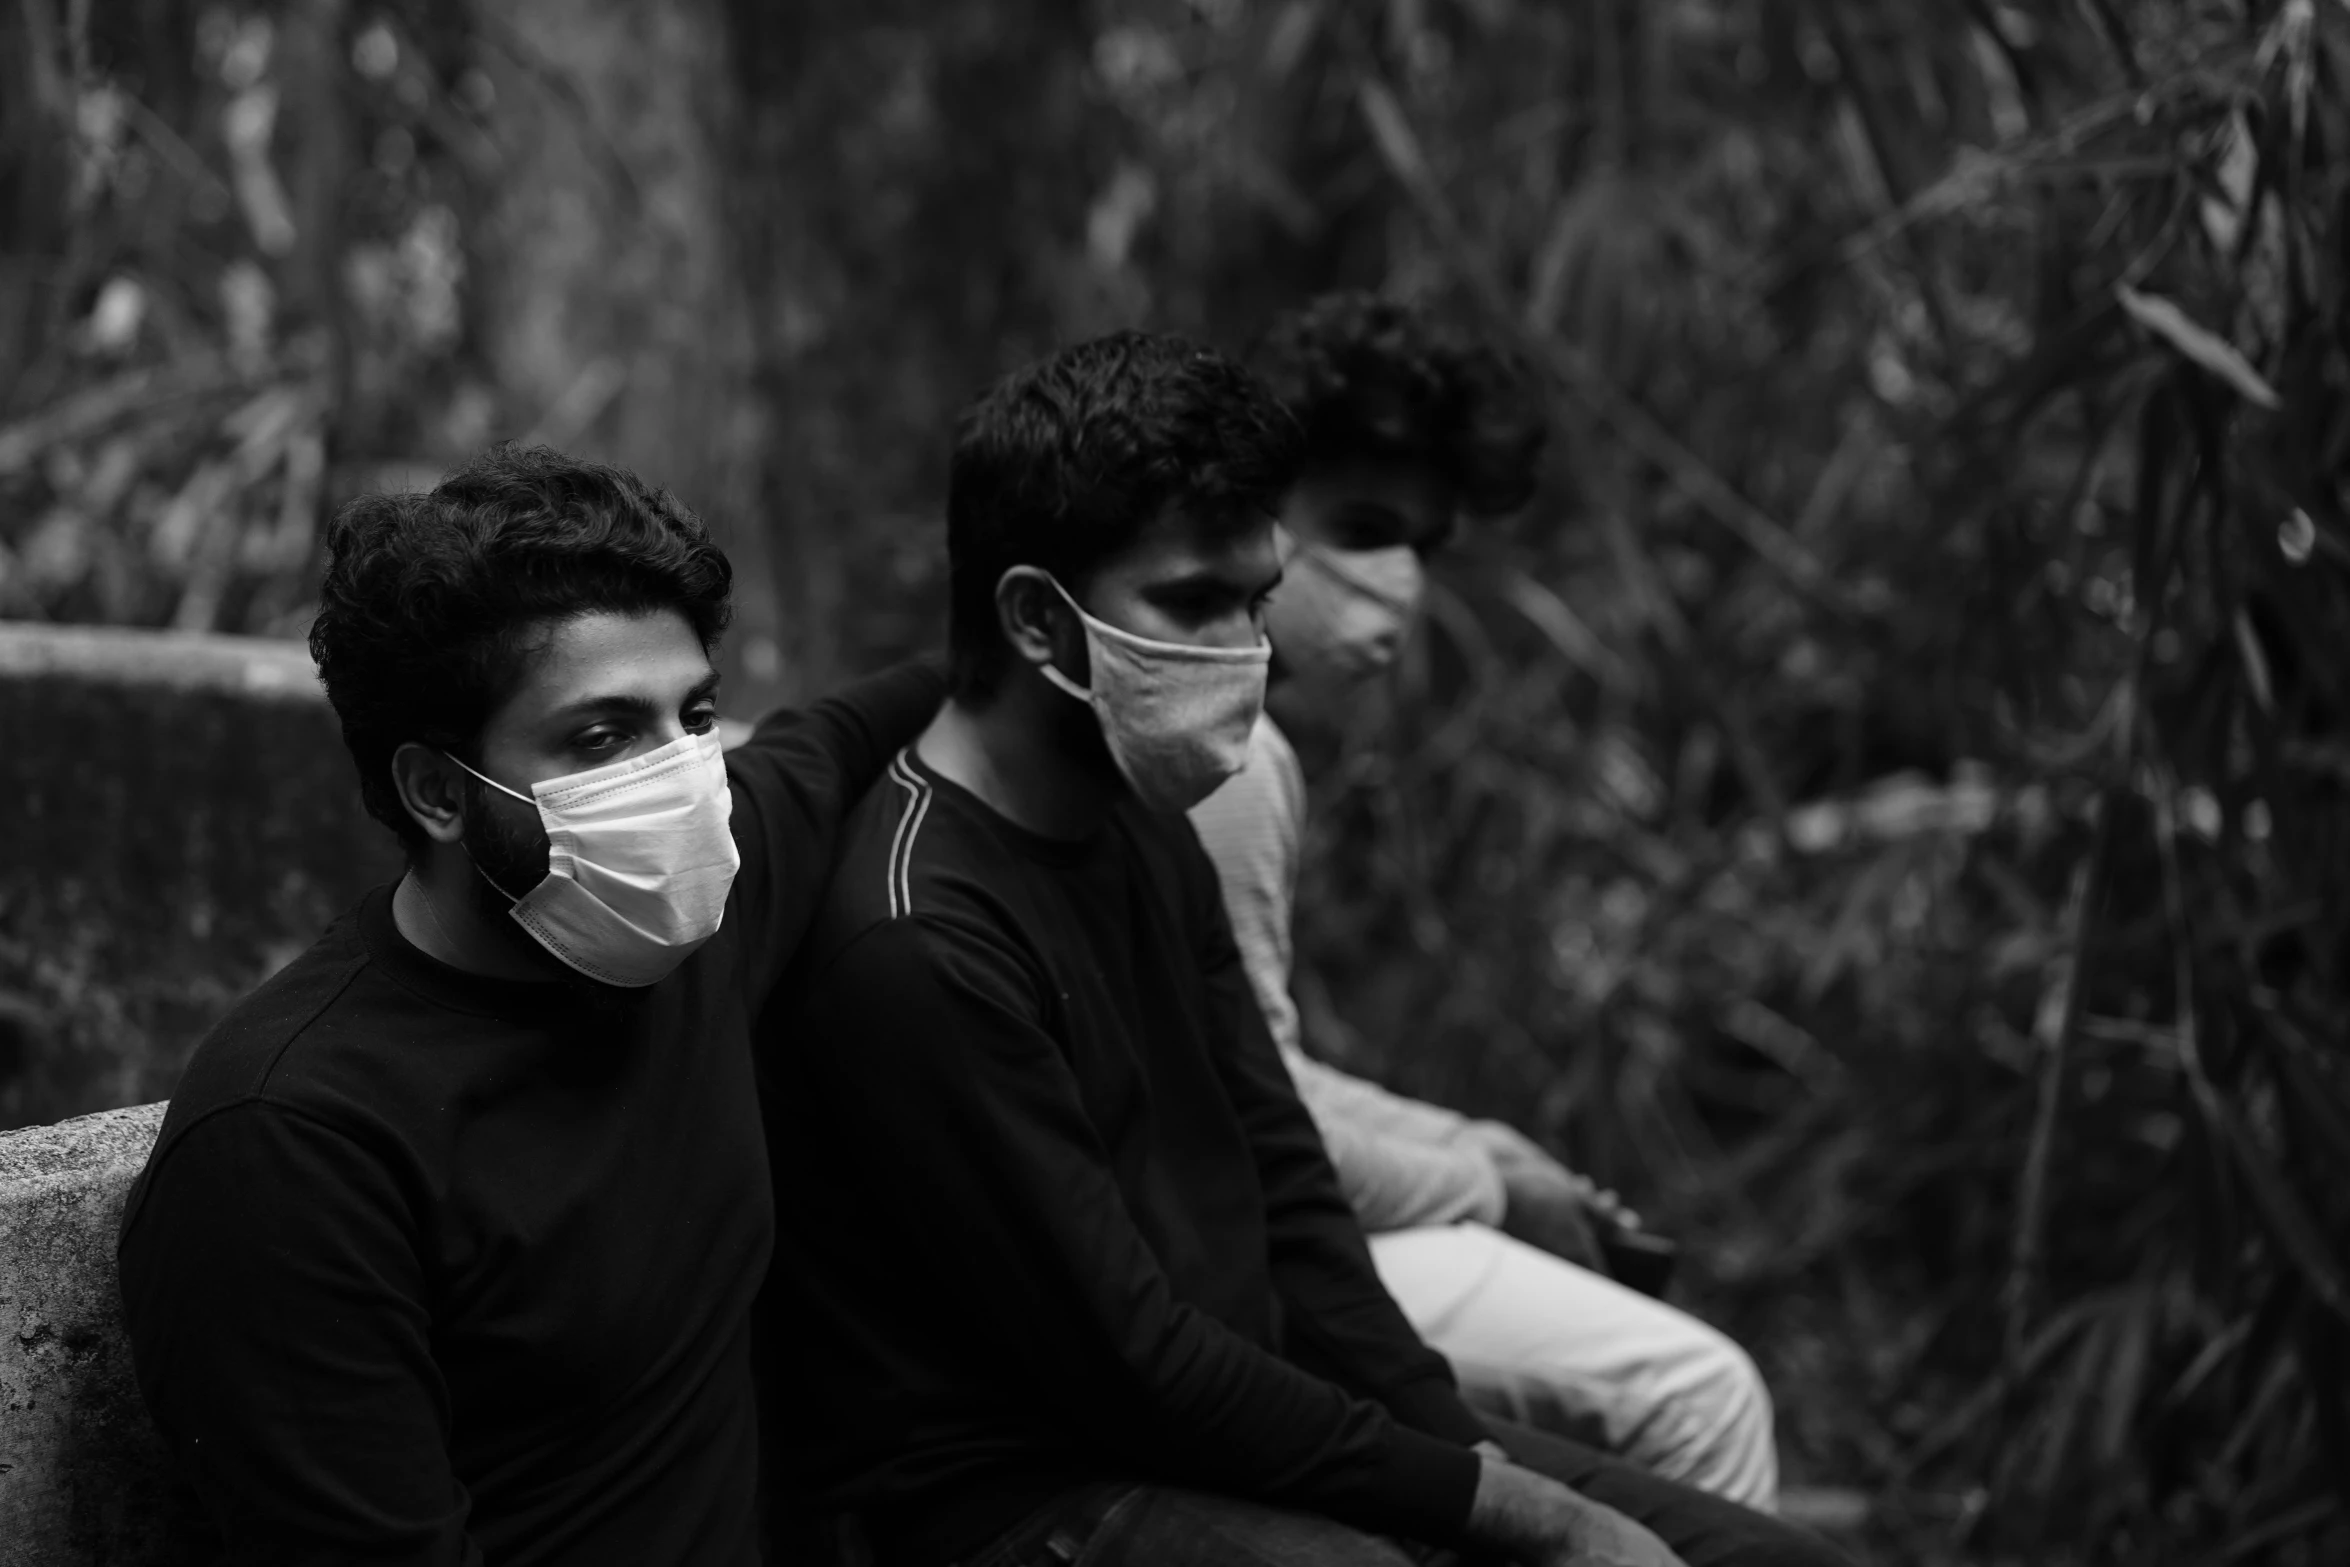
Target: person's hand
x,y
1538,1522
1504,1144
1549,1208
1513,1151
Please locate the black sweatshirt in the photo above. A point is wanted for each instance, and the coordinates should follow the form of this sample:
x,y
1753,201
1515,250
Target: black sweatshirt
x,y
428,1267
1049,1210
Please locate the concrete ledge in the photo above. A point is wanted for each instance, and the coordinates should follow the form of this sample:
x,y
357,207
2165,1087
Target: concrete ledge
x,y
83,1476
165,660
183,819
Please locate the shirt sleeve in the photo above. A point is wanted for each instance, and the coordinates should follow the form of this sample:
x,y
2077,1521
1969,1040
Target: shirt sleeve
x,y
1337,1306
280,1333
795,780
1401,1163
981,1141
1253,828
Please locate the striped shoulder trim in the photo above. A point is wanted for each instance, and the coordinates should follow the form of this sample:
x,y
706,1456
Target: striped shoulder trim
x,y
901,847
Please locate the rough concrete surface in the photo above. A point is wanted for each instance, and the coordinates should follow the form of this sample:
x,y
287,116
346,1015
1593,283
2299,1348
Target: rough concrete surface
x,y
83,1479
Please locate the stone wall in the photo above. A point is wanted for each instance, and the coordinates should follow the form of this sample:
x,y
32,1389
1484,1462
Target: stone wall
x,y
83,1479
182,819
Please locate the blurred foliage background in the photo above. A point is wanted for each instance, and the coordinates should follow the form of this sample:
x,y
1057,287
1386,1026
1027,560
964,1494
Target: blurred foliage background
x,y
1883,806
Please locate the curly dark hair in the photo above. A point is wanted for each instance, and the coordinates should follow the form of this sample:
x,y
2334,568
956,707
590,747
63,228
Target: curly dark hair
x,y
435,603
1063,463
1374,377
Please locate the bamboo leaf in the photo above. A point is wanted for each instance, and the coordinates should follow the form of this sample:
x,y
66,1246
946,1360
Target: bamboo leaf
x,y
2255,663
1565,630
2207,1361
2198,343
2125,1381
2023,1366
2288,1220
2315,1103
2075,1396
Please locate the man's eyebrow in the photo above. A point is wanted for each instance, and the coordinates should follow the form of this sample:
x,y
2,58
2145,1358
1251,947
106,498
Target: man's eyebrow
x,y
614,702
1210,577
632,704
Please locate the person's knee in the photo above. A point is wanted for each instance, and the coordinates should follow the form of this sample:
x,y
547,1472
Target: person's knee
x,y
1703,1526
1167,1524
1730,1427
1739,1389
1787,1546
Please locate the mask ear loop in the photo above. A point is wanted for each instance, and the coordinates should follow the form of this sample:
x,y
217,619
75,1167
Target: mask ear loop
x,y
1052,672
468,853
485,875
492,782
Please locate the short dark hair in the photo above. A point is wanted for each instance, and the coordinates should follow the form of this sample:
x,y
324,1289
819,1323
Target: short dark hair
x,y
1062,464
434,603
1373,377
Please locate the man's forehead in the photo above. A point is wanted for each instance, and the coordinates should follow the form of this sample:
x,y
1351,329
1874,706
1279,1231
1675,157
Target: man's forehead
x,y
608,655
1400,480
1412,501
1179,542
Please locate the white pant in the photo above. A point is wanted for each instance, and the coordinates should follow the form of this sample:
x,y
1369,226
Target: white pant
x,y
1549,1344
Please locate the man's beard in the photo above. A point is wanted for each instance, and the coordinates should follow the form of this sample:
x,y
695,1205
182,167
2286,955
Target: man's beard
x,y
509,858
1077,737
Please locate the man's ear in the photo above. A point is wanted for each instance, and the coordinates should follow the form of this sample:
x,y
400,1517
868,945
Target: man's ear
x,y
1037,624
432,791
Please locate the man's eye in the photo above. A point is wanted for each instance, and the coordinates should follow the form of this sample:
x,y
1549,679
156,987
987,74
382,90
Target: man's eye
x,y
700,720
597,741
1368,528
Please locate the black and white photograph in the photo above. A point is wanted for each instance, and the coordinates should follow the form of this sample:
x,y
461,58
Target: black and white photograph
x,y
1175,783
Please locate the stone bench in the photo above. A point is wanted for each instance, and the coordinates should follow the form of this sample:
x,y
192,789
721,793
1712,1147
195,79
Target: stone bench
x,y
83,1477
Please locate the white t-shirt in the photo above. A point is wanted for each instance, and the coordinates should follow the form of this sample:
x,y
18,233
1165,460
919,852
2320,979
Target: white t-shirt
x,y
1400,1162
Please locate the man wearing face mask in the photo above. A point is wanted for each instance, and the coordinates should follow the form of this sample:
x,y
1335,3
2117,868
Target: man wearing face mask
x,y
1486,1242
447,1250
1062,1271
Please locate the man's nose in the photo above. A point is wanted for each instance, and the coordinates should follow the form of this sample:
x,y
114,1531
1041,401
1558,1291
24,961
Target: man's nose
x,y
1236,631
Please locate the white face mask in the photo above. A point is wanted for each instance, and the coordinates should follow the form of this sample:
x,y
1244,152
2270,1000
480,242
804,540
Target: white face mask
x,y
1177,717
639,861
1340,615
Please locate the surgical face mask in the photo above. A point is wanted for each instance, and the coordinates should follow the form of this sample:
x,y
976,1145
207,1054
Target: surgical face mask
x,y
1177,717
1341,615
639,861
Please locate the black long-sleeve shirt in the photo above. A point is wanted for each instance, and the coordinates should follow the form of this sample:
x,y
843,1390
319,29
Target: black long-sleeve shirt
x,y
1049,1209
433,1268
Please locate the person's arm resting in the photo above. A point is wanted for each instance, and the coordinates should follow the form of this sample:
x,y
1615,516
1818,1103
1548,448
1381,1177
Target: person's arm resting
x,y
1321,1263
795,780
1394,1177
1412,1119
980,1142
280,1334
